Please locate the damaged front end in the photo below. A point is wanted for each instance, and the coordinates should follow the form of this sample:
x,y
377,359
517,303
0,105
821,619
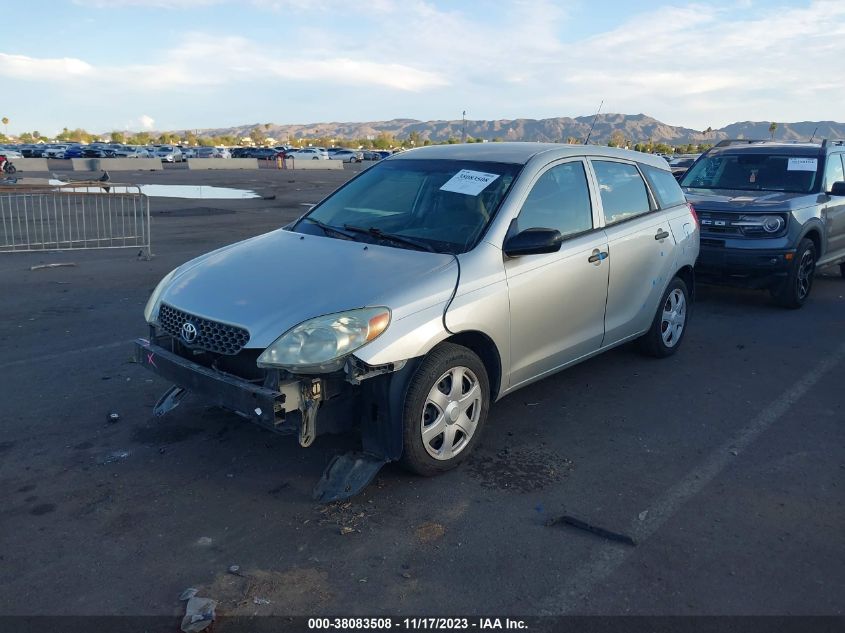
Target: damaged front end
x,y
353,396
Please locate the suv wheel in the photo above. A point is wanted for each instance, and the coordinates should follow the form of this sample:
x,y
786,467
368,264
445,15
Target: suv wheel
x,y
795,290
445,410
670,322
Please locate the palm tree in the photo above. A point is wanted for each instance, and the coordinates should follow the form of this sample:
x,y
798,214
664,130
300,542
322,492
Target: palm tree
x,y
772,128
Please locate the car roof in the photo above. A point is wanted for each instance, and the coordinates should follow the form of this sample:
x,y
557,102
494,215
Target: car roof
x,y
522,152
769,147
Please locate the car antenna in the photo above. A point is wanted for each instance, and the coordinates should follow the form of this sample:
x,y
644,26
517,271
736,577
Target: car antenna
x,y
595,118
814,134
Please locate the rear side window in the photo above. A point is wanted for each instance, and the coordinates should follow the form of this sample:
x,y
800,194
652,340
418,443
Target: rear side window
x,y
560,199
666,189
833,172
623,192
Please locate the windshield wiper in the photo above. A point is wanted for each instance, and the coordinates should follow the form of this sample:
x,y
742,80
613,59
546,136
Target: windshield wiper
x,y
328,229
390,237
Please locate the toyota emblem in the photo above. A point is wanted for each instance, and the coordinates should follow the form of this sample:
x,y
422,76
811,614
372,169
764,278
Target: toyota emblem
x,y
189,332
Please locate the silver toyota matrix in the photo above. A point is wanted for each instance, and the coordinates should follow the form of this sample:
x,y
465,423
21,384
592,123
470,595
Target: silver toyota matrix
x,y
423,290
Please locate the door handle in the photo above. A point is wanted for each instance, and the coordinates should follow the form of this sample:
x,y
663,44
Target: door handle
x,y
661,235
597,257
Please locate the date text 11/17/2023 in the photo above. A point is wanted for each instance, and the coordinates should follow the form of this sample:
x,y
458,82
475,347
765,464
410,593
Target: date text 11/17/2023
x,y
415,624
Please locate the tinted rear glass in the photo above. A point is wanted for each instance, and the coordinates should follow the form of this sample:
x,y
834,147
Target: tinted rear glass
x,y
666,189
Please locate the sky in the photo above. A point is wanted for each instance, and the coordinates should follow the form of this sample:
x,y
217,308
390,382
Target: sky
x,y
136,65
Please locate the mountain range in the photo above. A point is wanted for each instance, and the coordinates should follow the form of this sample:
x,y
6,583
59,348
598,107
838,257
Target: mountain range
x,y
634,127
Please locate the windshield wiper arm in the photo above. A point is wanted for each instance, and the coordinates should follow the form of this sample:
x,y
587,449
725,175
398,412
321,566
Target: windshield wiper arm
x,y
328,229
390,237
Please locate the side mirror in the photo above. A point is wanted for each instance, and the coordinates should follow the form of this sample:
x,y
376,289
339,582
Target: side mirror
x,y
533,242
838,188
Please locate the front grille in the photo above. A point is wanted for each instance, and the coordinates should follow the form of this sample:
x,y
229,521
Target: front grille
x,y
220,338
718,223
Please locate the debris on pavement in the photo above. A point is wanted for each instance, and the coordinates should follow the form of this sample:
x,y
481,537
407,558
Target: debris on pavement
x,y
346,530
642,515
199,614
235,570
56,265
189,593
204,541
114,456
113,417
257,600
587,527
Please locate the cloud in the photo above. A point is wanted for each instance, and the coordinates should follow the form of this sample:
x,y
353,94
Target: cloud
x,y
23,67
147,122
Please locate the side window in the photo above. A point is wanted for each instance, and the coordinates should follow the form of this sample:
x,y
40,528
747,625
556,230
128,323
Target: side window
x,y
560,199
833,172
666,189
623,192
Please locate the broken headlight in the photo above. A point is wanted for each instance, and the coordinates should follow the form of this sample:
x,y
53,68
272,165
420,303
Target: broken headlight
x,y
320,345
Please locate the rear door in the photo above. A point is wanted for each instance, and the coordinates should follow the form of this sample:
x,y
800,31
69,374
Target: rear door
x,y
557,300
640,248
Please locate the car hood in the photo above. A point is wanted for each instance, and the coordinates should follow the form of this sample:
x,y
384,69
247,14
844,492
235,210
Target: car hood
x,y
747,201
270,283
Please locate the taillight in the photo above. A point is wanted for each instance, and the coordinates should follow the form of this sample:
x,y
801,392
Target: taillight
x,y
694,215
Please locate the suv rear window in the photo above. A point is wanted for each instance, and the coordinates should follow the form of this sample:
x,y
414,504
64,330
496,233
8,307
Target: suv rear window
x,y
754,172
666,189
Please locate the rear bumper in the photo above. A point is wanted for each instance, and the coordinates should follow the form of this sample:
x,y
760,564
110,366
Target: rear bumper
x,y
751,268
259,404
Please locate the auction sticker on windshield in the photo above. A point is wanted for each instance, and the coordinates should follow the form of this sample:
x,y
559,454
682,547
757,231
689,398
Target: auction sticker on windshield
x,y
468,182
802,164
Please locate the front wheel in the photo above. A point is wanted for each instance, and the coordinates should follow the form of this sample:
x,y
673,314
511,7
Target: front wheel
x,y
445,410
670,322
795,290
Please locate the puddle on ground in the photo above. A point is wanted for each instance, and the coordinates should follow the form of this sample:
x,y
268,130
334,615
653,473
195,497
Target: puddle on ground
x,y
194,192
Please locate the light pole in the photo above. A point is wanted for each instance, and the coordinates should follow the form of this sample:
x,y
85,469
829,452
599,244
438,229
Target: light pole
x,y
464,127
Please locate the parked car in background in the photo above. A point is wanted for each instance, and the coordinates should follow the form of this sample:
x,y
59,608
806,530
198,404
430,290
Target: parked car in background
x,y
370,155
74,151
308,153
450,276
32,151
680,164
347,156
54,151
770,213
10,153
170,154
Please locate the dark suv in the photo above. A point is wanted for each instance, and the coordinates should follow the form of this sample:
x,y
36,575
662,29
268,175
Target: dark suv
x,y
770,213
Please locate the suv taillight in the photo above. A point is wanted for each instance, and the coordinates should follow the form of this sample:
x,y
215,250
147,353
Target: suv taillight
x,y
694,215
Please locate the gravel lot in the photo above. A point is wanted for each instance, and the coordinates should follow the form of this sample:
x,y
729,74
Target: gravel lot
x,y
725,463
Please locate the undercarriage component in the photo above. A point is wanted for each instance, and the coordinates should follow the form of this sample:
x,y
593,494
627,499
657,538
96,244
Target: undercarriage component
x,y
346,475
169,400
311,395
358,371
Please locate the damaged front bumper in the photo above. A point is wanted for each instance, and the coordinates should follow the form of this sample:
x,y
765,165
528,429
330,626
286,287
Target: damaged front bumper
x,y
261,404
371,398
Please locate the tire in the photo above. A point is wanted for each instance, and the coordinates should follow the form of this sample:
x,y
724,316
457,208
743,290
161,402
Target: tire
x,y
433,405
793,293
669,325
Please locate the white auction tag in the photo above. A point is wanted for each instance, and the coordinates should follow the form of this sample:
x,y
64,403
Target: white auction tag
x,y
802,164
468,182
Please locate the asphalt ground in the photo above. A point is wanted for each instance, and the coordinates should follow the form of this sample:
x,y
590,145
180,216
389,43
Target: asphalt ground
x,y
724,463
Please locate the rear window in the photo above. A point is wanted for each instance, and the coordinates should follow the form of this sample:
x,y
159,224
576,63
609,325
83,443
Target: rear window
x,y
666,189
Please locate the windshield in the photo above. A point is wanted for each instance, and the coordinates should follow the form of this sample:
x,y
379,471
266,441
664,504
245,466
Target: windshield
x,y
754,172
443,204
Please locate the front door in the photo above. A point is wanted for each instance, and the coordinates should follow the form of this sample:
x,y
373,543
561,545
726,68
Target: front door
x,y
833,212
557,300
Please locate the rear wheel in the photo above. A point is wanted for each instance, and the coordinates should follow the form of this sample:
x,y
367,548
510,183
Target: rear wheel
x,y
796,288
670,322
445,410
